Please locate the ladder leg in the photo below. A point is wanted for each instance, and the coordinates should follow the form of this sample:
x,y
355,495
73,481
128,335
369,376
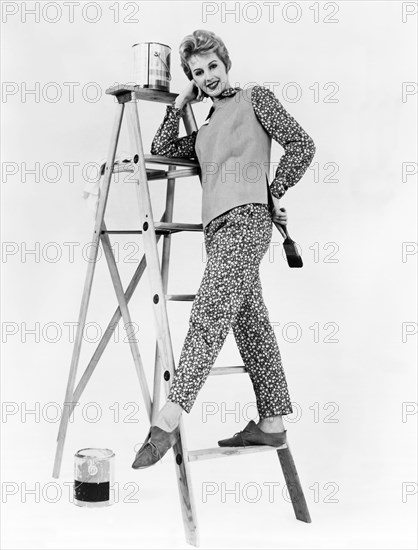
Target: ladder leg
x,y
117,283
156,386
293,485
160,311
65,416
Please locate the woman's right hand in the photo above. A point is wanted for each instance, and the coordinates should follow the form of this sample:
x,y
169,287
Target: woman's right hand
x,y
190,93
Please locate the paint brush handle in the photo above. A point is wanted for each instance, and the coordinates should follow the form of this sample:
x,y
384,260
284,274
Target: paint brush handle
x,y
282,229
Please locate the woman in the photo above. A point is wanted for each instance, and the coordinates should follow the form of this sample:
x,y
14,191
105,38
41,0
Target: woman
x,y
233,150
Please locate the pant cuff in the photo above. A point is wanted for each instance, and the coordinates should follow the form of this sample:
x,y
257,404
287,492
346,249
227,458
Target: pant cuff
x,y
185,405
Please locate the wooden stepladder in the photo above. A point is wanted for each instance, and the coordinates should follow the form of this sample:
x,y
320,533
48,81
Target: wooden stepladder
x,y
127,97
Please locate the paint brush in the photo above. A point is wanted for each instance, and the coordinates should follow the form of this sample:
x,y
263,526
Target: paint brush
x,y
294,259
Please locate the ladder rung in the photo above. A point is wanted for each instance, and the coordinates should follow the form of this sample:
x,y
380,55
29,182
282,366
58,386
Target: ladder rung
x,y
153,174
219,452
123,167
226,370
156,174
178,226
130,166
180,297
160,228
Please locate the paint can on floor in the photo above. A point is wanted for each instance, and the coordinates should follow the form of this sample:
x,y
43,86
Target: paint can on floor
x,y
94,477
151,67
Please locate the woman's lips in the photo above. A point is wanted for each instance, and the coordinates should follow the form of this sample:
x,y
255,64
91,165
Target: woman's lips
x,y
212,87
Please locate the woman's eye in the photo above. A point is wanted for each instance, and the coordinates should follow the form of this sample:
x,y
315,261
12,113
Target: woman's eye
x,y
198,73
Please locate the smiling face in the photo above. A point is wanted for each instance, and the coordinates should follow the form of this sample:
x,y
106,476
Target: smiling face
x,y
208,69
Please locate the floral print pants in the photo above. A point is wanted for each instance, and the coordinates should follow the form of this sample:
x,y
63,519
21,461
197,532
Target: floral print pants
x,y
230,295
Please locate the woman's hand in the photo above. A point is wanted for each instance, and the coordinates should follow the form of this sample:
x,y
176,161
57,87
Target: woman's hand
x,y
279,215
190,93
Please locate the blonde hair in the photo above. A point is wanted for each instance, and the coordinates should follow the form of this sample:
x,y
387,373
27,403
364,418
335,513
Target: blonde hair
x,y
202,42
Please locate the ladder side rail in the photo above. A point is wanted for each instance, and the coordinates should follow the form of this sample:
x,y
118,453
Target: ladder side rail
x,y
293,484
149,235
165,264
188,506
189,119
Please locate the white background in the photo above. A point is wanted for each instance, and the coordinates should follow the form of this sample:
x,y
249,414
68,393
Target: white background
x,y
354,450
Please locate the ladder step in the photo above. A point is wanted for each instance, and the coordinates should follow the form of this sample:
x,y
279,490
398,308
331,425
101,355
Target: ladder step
x,y
180,297
171,174
226,370
219,452
146,94
157,159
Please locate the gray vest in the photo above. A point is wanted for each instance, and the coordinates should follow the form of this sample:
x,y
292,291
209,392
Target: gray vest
x,y
233,150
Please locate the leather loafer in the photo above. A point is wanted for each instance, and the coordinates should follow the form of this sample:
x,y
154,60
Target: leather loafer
x,y
155,446
253,435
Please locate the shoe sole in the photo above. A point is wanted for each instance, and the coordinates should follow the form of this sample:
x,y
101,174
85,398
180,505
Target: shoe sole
x,y
143,467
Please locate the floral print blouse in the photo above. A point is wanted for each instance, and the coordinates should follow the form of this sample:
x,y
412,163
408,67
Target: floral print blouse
x,y
277,122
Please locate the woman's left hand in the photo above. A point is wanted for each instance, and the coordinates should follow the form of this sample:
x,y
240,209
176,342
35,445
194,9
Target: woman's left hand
x,y
279,214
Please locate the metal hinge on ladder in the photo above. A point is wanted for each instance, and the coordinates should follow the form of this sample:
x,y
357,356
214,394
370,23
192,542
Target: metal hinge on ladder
x,y
127,97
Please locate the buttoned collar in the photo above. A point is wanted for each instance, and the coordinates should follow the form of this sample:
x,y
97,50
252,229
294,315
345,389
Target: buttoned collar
x,y
229,92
